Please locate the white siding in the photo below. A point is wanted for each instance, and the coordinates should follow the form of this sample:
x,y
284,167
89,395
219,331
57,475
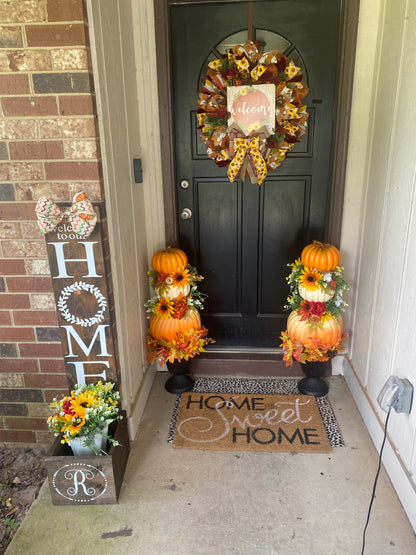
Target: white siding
x,y
384,309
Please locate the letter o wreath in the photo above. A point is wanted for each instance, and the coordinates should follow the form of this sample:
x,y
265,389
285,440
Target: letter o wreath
x,y
78,286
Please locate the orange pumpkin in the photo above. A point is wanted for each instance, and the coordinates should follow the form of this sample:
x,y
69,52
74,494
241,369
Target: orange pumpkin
x,y
169,260
322,256
329,332
167,328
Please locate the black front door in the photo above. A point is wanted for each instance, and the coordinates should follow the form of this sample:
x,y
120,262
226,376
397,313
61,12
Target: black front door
x,y
239,235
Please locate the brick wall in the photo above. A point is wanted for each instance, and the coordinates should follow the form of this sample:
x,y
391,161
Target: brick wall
x,y
48,146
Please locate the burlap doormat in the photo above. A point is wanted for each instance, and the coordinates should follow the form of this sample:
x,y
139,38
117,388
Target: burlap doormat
x,y
242,422
261,386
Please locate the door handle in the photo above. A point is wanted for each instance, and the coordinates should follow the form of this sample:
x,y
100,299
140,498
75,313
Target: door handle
x,y
186,214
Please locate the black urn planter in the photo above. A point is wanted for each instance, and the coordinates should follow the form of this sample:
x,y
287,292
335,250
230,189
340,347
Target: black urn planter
x,y
313,384
179,381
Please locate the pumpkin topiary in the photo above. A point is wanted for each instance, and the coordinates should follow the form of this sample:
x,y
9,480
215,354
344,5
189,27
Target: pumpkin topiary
x,y
327,332
322,256
168,328
169,260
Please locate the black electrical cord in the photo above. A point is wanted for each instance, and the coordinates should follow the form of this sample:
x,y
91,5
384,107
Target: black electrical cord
x,y
375,481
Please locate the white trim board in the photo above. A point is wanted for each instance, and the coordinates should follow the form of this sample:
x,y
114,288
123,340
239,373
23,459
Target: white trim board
x,y
398,475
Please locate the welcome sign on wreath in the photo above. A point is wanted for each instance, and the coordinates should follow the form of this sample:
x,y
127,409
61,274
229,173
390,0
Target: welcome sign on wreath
x,y
74,244
250,110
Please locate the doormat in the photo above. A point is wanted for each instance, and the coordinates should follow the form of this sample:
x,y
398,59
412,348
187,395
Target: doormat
x,y
261,386
241,422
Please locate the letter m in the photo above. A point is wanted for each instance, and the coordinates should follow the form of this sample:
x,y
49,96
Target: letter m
x,y
86,349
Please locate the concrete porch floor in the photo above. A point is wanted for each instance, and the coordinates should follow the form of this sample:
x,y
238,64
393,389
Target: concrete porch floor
x,y
201,502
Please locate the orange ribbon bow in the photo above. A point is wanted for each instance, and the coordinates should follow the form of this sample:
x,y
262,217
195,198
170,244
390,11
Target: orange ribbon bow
x,y
81,215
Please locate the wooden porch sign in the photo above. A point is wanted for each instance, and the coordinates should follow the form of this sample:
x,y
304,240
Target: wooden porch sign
x,y
81,295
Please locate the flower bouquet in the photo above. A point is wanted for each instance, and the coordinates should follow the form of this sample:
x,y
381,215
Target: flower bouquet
x,y
84,415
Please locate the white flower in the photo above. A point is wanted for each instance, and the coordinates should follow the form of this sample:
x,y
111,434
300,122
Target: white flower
x,y
327,277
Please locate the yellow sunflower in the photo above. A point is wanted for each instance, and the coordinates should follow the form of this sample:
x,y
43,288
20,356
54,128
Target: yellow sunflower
x,y
310,279
75,425
164,308
182,278
83,401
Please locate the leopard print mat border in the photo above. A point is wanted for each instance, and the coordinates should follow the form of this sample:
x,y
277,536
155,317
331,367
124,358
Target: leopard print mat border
x,y
262,386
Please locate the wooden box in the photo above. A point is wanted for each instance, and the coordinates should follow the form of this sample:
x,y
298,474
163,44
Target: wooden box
x,y
92,480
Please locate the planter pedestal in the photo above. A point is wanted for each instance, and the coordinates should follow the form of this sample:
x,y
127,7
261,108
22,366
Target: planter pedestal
x,y
93,480
179,382
313,384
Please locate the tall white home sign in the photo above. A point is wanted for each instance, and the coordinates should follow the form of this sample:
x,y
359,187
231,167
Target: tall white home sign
x,y
81,295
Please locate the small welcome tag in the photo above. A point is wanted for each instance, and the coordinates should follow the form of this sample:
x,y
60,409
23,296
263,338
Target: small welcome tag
x,y
252,107
241,422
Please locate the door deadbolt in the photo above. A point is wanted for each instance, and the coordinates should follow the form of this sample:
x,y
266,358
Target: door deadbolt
x,y
184,183
186,214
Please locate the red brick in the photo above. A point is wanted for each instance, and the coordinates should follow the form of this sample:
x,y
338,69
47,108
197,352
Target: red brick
x,y
11,37
69,128
23,248
13,365
45,380
38,350
21,423
24,61
72,170
29,284
32,191
14,171
17,211
56,35
65,10
12,267
20,129
17,437
35,318
10,230
49,365
14,301
30,106
14,84
36,150
5,319
22,11
51,394
72,105
17,334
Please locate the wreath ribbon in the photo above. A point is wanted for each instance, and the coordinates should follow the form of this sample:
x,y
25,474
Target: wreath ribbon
x,y
81,215
247,148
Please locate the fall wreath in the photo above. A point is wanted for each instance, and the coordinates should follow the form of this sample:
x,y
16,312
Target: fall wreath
x,y
245,138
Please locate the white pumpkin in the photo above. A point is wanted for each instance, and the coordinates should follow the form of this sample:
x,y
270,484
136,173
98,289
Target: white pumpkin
x,y
318,295
173,291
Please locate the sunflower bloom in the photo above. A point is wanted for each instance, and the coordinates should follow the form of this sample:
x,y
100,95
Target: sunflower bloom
x,y
310,279
83,400
182,278
164,308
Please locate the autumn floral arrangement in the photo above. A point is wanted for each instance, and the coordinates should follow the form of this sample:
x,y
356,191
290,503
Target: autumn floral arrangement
x,y
229,141
86,412
314,327
175,329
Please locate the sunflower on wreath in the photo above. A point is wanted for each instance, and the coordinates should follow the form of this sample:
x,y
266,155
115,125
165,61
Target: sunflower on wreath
x,y
246,66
